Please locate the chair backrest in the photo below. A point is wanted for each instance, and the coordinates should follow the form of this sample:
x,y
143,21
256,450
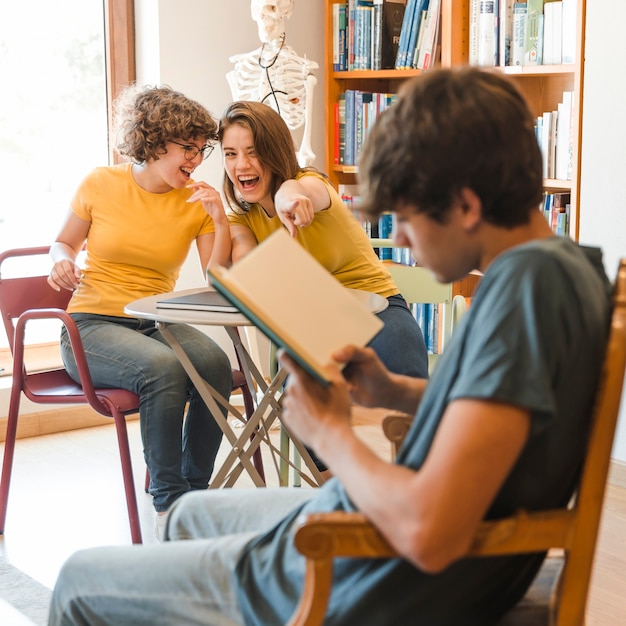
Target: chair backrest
x,y
24,292
418,286
573,529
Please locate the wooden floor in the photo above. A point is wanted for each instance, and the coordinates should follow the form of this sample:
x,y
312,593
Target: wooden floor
x,y
67,494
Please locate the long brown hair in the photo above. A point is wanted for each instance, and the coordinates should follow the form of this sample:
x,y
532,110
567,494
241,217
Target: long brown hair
x,y
273,145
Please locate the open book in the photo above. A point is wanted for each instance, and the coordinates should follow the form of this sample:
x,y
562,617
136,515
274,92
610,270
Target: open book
x,y
296,302
205,300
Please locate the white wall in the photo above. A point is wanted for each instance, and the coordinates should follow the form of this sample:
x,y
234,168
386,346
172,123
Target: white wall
x,y
187,45
603,193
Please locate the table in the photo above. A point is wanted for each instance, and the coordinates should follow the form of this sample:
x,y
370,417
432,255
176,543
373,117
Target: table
x,y
267,410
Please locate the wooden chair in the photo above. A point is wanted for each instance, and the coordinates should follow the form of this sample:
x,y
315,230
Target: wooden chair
x,y
559,594
25,299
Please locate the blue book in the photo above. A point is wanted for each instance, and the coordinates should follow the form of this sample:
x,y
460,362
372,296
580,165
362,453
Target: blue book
x,y
420,6
350,128
385,225
404,34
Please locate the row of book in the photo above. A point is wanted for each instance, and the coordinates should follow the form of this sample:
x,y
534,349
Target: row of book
x,y
385,34
556,209
355,113
555,131
533,32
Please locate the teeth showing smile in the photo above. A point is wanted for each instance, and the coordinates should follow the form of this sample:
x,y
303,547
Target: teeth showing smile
x,y
187,171
248,181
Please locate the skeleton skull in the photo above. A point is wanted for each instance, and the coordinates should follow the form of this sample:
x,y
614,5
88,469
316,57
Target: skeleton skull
x,y
270,16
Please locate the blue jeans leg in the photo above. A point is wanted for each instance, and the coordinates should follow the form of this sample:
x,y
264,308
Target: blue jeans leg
x,y
178,582
400,344
132,354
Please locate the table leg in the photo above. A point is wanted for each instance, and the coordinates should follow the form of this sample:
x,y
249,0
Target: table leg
x,y
211,397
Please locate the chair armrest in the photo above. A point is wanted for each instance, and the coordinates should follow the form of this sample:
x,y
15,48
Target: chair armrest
x,y
321,537
85,379
395,427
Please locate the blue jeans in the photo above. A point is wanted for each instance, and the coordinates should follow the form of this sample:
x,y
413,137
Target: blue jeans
x,y
178,582
132,354
400,344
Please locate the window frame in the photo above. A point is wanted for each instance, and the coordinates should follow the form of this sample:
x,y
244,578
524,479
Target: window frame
x,y
119,43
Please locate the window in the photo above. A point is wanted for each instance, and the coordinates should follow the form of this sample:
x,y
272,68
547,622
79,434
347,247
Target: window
x,y
61,65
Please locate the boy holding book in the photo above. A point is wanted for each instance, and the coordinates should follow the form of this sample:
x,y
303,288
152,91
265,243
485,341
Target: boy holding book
x,y
501,425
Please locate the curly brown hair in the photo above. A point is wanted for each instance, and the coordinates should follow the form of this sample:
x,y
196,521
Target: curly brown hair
x,y
147,118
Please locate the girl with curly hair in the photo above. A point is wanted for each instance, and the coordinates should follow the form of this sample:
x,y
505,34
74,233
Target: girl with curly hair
x,y
137,221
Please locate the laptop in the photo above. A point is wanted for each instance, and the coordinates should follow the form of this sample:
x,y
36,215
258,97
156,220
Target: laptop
x,y
208,300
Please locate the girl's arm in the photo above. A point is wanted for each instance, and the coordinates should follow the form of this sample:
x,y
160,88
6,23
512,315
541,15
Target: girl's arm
x,y
65,274
297,201
213,248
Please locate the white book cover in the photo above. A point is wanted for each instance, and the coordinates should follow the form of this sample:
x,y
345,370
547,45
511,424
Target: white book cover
x,y
296,302
568,37
487,34
554,119
552,25
473,31
335,37
429,40
546,134
563,136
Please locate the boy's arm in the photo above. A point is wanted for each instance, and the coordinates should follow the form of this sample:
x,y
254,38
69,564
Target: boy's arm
x,y
429,516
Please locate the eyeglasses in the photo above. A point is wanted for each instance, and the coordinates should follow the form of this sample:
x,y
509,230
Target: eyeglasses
x,y
191,152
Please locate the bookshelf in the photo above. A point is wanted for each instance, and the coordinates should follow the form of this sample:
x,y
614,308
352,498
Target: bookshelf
x,y
543,86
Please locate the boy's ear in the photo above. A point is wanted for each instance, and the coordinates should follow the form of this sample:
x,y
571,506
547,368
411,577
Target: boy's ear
x,y
471,206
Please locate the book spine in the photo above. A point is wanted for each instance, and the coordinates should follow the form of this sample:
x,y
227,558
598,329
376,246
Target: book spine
x,y
420,6
487,34
342,128
427,47
473,31
350,30
404,34
519,33
533,52
385,226
377,35
568,37
335,10
505,31
343,42
349,127
563,137
392,17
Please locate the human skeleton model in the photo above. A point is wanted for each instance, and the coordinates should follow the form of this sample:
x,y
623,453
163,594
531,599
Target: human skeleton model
x,y
275,74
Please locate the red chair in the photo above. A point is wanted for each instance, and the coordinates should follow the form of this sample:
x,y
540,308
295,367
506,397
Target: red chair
x,y
28,298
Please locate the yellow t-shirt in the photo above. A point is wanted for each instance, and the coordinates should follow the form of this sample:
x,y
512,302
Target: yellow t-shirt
x,y
335,239
137,241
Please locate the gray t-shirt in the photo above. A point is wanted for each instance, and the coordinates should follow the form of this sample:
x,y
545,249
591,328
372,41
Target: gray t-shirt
x,y
533,337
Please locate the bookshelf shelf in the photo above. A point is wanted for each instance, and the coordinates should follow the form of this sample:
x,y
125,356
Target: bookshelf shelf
x,y
542,85
540,70
376,74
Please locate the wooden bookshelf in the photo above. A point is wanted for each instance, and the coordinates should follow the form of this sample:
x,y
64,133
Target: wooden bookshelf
x,y
542,85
